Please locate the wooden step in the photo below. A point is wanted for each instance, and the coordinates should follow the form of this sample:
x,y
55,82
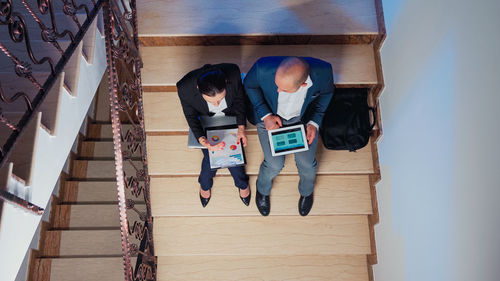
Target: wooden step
x,y
297,268
88,192
267,236
178,196
104,131
81,269
164,66
92,216
179,19
91,192
103,169
102,150
81,243
169,155
163,113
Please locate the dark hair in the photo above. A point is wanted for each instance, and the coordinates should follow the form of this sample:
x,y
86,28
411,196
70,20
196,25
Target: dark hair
x,y
212,82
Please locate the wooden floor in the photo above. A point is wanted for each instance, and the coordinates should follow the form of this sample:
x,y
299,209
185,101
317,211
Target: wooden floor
x,y
262,17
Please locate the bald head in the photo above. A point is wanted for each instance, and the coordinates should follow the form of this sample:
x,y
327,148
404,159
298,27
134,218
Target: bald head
x,y
291,74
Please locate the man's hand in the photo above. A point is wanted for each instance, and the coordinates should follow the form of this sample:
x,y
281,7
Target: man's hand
x,y
310,133
272,122
203,141
241,135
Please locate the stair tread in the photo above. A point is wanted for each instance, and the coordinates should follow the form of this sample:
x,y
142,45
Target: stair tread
x,y
164,66
163,113
85,269
94,216
97,191
105,169
297,268
169,155
178,196
101,149
283,235
88,242
226,17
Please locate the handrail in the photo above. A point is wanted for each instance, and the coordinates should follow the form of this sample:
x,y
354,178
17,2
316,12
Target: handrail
x,y
13,17
19,33
24,204
124,75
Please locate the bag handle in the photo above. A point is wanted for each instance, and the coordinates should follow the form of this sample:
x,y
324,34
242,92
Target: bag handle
x,y
374,115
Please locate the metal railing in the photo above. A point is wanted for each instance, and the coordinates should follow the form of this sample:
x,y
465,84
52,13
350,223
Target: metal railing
x,y
124,76
17,47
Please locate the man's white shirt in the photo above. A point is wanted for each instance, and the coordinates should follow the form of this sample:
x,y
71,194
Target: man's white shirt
x,y
290,104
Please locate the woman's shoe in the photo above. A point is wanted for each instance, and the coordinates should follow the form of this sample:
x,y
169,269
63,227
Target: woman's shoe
x,y
246,200
204,201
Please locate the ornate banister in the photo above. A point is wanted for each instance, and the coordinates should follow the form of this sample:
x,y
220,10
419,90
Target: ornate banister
x,y
13,16
124,75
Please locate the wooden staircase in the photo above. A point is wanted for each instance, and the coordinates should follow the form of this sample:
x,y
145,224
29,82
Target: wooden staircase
x,y
39,154
227,240
81,242
22,158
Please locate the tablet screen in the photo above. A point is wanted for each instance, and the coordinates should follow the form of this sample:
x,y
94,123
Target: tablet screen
x,y
287,140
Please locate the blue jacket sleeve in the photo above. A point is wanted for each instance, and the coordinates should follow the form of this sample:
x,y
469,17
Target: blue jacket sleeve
x,y
254,92
320,103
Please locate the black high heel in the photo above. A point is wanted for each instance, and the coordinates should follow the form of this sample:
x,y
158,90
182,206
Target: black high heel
x,y
204,201
246,200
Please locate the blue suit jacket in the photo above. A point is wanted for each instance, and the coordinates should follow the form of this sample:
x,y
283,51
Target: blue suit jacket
x,y
263,92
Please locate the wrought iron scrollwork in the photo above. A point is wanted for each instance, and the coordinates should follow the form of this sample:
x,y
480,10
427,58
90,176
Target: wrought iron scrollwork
x,y
24,57
124,77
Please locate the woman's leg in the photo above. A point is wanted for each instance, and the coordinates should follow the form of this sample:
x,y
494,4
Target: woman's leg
x,y
206,178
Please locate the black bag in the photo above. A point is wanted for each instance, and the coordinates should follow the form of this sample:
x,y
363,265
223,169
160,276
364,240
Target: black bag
x,y
346,124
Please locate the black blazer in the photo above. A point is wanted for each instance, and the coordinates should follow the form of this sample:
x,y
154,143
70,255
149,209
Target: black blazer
x,y
194,105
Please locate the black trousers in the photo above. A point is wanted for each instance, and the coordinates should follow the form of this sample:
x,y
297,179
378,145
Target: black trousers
x,y
206,178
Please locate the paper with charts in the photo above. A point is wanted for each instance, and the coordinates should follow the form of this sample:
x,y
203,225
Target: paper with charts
x,y
232,154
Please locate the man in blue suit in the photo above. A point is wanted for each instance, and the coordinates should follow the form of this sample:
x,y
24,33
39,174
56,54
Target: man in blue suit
x,y
287,91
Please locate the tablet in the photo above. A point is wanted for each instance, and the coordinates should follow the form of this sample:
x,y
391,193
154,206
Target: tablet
x,y
288,140
233,154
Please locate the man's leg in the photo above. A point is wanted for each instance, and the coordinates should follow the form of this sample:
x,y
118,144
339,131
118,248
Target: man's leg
x,y
271,166
206,178
307,166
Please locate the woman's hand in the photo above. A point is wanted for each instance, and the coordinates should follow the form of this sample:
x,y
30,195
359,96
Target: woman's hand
x,y
242,135
203,141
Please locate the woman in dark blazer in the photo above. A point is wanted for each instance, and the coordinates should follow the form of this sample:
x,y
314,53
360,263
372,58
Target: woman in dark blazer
x,y
215,90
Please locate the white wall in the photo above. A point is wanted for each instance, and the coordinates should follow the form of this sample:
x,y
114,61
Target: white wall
x,y
439,196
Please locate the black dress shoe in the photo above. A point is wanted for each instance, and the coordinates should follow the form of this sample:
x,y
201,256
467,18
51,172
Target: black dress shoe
x,y
263,203
305,204
204,201
246,200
